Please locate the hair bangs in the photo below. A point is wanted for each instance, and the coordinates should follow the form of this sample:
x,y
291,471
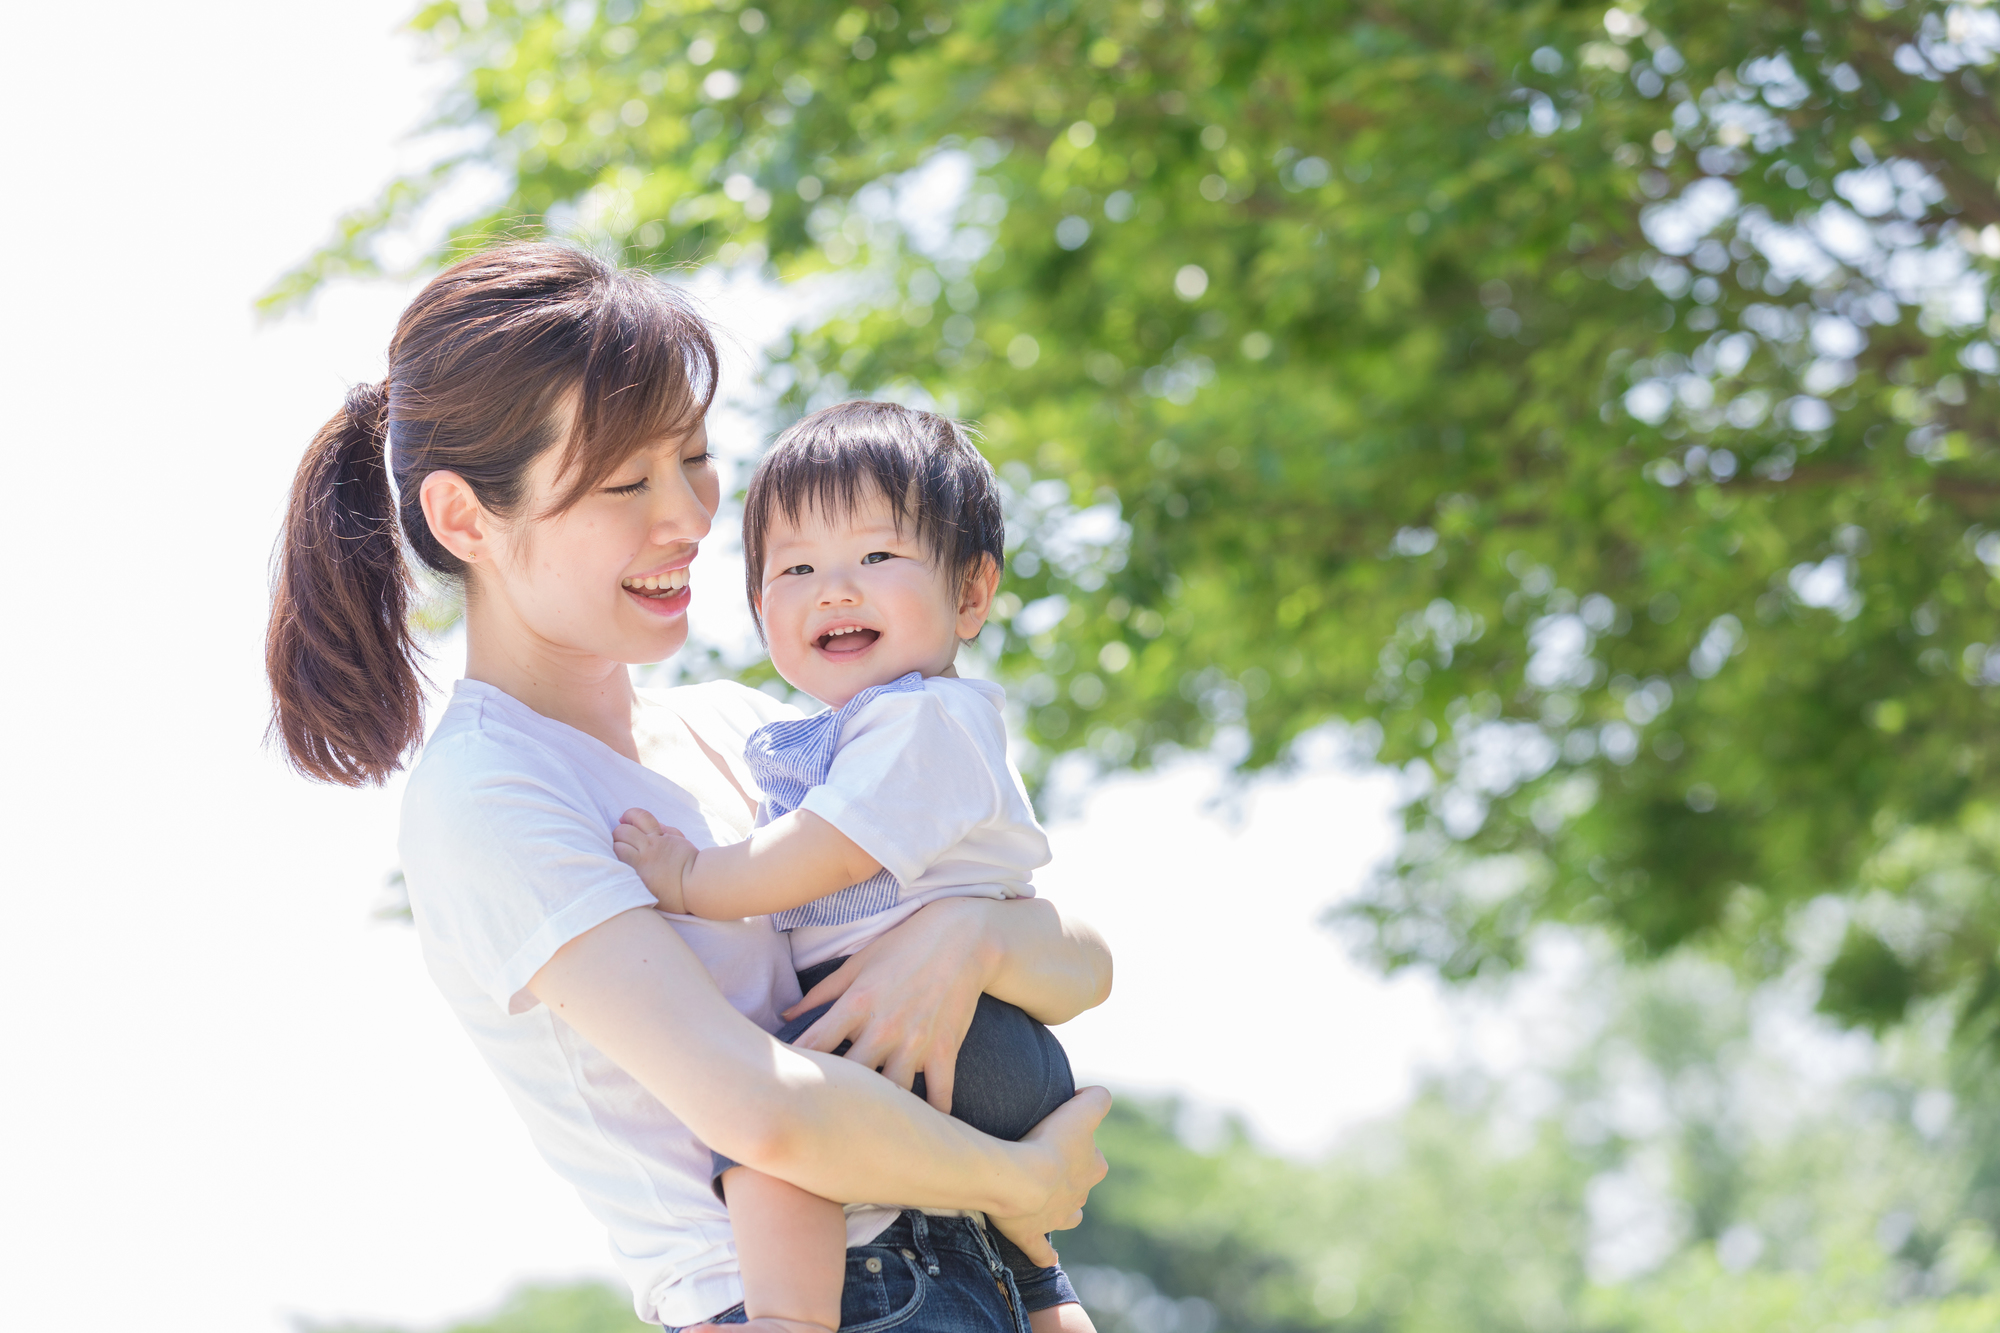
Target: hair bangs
x,y
836,460
649,373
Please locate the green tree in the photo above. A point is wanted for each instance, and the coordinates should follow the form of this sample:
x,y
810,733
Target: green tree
x,y
1592,407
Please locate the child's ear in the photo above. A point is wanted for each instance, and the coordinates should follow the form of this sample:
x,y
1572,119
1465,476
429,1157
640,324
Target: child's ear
x,y
975,597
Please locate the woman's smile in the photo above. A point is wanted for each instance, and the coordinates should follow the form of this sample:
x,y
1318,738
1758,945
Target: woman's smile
x,y
663,593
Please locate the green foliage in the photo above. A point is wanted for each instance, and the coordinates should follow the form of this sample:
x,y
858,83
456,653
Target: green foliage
x,y
1594,407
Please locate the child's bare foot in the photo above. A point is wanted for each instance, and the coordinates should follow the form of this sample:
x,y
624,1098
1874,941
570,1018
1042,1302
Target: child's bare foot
x,y
661,855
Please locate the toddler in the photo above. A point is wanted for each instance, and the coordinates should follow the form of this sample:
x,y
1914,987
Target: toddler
x,y
873,543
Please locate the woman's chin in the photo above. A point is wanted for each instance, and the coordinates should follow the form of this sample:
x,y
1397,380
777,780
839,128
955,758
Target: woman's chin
x,y
657,644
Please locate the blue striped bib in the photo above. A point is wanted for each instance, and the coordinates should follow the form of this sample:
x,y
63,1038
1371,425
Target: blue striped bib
x,y
789,759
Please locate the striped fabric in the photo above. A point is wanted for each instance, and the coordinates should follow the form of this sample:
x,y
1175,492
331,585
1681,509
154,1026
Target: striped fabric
x,y
788,760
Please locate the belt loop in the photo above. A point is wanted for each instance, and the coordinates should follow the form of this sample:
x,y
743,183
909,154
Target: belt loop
x,y
921,1228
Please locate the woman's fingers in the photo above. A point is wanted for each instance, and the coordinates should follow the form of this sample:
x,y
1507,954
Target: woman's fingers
x,y
1073,1165
829,989
833,1027
1036,1246
940,1072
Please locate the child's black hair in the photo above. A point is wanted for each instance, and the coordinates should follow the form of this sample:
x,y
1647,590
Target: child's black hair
x,y
922,463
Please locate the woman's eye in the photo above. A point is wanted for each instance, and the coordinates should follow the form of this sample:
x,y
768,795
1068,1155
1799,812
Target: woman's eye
x,y
699,460
876,557
799,569
633,489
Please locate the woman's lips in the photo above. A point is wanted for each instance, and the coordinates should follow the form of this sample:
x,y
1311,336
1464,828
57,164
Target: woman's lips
x,y
663,602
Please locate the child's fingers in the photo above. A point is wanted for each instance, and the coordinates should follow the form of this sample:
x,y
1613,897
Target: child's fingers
x,y
626,852
642,819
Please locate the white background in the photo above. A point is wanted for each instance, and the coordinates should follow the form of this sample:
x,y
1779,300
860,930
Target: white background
x,y
230,1097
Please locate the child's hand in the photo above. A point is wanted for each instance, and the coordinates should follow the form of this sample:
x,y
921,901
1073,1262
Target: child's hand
x,y
661,855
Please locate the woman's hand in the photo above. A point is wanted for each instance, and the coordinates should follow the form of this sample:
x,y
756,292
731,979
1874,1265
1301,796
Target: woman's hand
x,y
907,998
1070,1164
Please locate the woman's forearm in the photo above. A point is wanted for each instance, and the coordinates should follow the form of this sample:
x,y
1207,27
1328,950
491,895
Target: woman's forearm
x,y
633,989
1051,966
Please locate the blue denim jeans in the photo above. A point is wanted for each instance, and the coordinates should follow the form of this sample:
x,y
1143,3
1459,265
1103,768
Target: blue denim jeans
x,y
1011,1073
924,1275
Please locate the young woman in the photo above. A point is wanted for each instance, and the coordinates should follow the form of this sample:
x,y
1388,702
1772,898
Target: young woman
x,y
540,436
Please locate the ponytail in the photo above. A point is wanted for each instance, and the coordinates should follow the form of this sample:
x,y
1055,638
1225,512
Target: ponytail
x,y
347,696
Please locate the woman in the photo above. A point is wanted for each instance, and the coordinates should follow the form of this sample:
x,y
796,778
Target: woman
x,y
543,417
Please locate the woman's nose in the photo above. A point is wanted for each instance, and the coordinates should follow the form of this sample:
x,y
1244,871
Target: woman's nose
x,y
680,517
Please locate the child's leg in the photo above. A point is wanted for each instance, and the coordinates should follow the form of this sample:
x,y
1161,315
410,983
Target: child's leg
x,y
1065,1318
792,1246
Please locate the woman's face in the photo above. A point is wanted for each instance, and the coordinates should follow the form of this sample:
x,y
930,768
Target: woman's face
x,y
608,577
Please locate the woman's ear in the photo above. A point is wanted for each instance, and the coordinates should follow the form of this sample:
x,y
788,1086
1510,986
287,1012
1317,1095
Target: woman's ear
x,y
975,597
456,518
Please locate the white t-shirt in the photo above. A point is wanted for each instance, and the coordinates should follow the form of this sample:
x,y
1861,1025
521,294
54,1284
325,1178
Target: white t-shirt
x,y
920,780
506,845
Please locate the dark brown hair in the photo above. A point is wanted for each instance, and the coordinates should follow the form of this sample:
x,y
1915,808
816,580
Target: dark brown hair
x,y
482,362
840,456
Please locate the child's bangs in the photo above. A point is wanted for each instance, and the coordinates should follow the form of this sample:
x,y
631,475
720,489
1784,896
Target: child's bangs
x,y
649,374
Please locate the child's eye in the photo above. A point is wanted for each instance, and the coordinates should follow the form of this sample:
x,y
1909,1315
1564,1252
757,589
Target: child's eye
x,y
798,569
876,557
633,489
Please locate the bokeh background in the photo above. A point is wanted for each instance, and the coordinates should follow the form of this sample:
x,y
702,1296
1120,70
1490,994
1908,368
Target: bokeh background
x,y
1500,615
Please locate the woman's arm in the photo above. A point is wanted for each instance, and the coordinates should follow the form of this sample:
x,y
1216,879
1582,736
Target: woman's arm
x,y
633,989
906,1000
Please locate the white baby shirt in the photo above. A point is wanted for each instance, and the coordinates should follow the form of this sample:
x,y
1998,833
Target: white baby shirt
x,y
920,780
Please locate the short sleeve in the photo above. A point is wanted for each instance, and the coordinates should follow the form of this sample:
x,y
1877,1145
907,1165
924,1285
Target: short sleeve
x,y
503,867
910,779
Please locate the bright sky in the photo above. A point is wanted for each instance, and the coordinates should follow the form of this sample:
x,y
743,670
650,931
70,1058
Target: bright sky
x,y
232,1098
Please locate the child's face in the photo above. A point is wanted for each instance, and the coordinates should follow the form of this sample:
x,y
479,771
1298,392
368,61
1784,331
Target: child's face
x,y
850,602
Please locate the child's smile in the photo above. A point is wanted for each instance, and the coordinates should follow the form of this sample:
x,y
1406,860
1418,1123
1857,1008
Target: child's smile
x,y
856,600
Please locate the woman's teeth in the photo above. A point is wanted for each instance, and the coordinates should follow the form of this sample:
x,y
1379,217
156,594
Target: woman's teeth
x,y
671,581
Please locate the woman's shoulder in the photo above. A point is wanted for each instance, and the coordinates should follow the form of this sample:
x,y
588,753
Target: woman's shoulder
x,y
737,708
478,742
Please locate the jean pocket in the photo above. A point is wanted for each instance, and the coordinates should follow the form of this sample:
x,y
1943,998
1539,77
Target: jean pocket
x,y
884,1289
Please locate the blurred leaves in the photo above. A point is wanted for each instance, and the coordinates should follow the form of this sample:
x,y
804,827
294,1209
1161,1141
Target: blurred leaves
x,y
1658,1165
1589,408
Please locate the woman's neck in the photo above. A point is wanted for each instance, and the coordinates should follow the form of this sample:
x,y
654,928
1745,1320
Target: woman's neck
x,y
591,693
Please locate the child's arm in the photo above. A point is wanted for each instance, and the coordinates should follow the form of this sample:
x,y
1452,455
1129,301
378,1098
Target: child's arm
x,y
787,863
792,1247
